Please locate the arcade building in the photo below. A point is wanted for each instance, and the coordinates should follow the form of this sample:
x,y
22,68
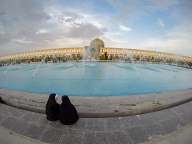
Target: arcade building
x,y
97,51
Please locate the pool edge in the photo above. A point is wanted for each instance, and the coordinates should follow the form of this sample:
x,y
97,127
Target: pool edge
x,y
99,107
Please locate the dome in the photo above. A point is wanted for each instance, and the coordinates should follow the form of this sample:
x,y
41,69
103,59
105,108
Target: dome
x,y
97,43
95,47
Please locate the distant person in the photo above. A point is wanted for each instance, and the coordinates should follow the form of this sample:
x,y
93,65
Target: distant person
x,y
68,113
52,108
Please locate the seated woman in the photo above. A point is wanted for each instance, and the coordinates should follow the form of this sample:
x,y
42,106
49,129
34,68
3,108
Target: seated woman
x,y
68,113
52,108
1,101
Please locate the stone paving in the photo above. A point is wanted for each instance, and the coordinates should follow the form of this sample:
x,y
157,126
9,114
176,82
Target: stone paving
x,y
10,137
117,130
181,136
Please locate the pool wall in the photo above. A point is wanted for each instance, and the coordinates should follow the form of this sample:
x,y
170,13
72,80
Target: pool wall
x,y
105,106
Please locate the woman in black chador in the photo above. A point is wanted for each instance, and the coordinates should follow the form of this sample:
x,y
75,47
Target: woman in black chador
x,y
68,113
52,108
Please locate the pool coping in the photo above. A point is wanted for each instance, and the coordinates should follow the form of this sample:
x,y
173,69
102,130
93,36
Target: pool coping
x,y
101,106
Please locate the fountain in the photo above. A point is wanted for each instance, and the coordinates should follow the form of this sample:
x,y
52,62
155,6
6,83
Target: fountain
x,y
91,52
86,53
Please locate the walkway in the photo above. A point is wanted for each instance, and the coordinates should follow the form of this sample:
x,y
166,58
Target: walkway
x,y
118,130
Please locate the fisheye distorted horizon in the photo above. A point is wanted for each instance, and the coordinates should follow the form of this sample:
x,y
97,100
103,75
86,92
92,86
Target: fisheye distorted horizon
x,y
164,25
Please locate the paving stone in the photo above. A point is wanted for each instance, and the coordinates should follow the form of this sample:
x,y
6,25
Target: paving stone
x,y
43,120
51,135
182,109
4,110
186,107
35,131
94,124
119,138
16,125
99,124
137,134
183,112
169,125
89,123
96,138
178,110
153,129
180,119
82,124
74,137
129,122
11,111
59,126
186,118
3,117
147,119
17,113
31,118
160,115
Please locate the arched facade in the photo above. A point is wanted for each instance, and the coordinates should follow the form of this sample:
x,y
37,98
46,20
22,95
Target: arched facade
x,y
97,49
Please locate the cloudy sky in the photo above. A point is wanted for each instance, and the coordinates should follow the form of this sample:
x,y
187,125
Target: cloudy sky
x,y
162,25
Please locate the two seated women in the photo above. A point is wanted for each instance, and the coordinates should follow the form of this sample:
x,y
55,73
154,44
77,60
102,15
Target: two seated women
x,y
65,112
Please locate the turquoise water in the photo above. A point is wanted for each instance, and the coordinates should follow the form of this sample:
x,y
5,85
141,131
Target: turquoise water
x,y
95,79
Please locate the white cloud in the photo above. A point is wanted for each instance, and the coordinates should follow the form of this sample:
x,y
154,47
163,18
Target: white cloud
x,y
22,41
22,26
30,24
178,40
42,31
125,28
161,23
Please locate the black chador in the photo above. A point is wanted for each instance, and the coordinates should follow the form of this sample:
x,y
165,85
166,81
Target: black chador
x,y
1,101
52,108
68,113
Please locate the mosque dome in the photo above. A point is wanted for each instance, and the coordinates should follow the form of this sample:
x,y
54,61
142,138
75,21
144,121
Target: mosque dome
x,y
97,43
95,47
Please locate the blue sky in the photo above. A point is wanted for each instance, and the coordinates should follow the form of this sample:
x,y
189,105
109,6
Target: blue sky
x,y
162,25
